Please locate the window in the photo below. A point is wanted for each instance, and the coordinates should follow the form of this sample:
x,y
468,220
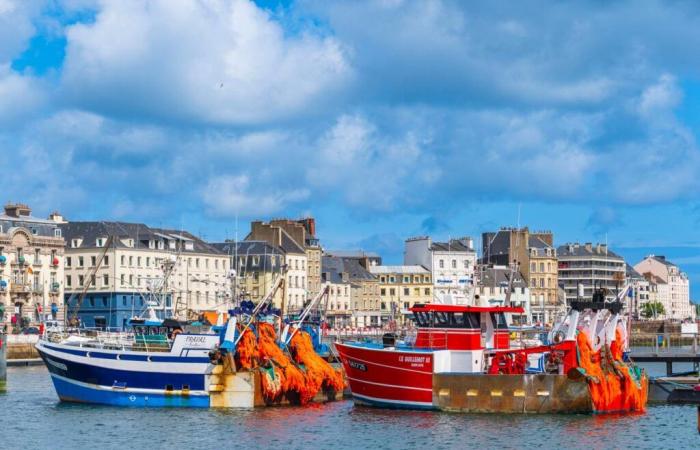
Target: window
x,y
131,261
121,280
138,261
81,280
206,263
392,291
534,282
57,232
541,267
68,281
37,254
148,261
454,263
131,280
406,291
80,261
406,279
427,291
549,267
93,261
68,261
383,291
123,296
466,264
541,282
196,263
533,267
123,259
105,261
93,281
441,264
105,280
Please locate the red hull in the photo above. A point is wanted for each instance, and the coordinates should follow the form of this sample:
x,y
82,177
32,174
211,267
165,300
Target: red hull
x,y
389,377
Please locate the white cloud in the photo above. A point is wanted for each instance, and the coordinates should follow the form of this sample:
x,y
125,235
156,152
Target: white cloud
x,y
217,62
231,195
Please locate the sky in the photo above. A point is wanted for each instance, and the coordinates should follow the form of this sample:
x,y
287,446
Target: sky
x,y
382,119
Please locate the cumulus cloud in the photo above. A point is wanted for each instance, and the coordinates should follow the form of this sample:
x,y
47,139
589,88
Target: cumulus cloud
x,y
215,62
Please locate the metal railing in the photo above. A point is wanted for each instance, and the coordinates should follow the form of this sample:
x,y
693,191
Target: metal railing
x,y
661,343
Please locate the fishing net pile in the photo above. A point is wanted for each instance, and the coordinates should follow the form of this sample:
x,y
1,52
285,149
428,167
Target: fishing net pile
x,y
614,385
299,380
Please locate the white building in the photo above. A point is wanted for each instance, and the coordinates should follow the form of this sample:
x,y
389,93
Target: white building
x,y
492,290
119,284
673,286
589,267
31,265
451,263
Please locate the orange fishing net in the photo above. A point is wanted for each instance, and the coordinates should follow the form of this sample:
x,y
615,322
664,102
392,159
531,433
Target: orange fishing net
x,y
246,350
280,375
318,372
614,385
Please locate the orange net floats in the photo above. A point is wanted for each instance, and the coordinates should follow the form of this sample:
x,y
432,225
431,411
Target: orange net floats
x,y
614,385
281,377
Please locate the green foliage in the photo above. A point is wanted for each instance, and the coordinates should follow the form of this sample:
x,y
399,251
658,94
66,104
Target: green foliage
x,y
653,309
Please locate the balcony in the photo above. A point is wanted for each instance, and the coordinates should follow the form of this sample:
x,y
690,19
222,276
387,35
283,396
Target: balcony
x,y
20,288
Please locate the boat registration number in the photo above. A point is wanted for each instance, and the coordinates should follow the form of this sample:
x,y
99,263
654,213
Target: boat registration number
x,y
357,365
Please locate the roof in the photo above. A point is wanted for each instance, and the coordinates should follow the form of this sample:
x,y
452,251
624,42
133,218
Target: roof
x,y
453,245
289,245
499,276
247,248
89,232
662,259
578,250
631,273
398,269
352,254
335,266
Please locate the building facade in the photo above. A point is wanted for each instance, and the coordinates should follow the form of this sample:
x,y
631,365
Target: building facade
x,y
31,266
451,263
492,290
123,268
339,308
257,266
365,300
296,257
401,287
583,268
672,286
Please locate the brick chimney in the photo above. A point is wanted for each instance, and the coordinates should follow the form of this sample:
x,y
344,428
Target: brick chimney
x,y
17,209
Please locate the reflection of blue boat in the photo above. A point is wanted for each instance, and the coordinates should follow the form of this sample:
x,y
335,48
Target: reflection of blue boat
x,y
157,365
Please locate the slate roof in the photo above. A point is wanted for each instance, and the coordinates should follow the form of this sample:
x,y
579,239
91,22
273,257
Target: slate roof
x,y
89,232
453,245
398,269
335,266
662,260
498,276
632,273
580,250
247,248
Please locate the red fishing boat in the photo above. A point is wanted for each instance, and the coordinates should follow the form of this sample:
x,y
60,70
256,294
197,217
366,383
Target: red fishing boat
x,y
461,360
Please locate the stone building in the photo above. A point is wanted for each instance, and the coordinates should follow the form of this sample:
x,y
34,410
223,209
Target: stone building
x,y
401,287
257,265
451,263
31,265
339,308
672,286
125,267
365,300
299,247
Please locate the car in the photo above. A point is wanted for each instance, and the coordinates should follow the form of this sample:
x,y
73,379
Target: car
x,y
30,330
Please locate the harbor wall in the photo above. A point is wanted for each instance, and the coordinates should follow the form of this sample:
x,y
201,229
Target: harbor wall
x,y
21,346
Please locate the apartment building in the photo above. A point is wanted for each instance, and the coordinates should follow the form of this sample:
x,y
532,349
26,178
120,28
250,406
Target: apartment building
x,y
339,308
451,263
672,286
401,287
31,265
123,268
584,267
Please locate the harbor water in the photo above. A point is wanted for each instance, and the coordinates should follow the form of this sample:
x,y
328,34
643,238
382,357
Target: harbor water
x,y
33,418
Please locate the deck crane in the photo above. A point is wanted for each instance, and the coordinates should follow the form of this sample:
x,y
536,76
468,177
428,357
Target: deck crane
x,y
286,337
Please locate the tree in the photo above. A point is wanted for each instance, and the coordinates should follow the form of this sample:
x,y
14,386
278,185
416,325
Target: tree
x,y
653,309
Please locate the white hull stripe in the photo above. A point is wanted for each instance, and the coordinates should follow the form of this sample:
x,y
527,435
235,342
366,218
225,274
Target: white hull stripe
x,y
134,366
396,402
133,390
388,366
390,385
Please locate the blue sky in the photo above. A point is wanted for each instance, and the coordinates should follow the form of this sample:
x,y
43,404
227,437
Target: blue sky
x,y
383,119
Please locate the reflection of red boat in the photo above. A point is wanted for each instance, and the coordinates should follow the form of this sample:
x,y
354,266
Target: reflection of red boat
x,y
461,361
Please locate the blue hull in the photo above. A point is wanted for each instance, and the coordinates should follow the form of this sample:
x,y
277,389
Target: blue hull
x,y
70,391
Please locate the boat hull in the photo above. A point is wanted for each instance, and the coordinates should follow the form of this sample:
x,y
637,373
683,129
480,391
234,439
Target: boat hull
x,y
409,379
121,379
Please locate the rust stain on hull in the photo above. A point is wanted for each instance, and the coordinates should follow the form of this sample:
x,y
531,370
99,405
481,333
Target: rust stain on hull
x,y
529,393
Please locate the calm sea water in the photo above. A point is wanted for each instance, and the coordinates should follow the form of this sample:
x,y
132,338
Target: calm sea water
x,y
32,418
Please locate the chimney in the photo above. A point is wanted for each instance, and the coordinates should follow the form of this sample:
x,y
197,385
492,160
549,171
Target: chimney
x,y
603,248
57,217
589,246
17,210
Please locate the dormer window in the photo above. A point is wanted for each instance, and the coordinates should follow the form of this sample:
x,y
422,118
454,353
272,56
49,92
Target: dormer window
x,y
56,232
189,246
